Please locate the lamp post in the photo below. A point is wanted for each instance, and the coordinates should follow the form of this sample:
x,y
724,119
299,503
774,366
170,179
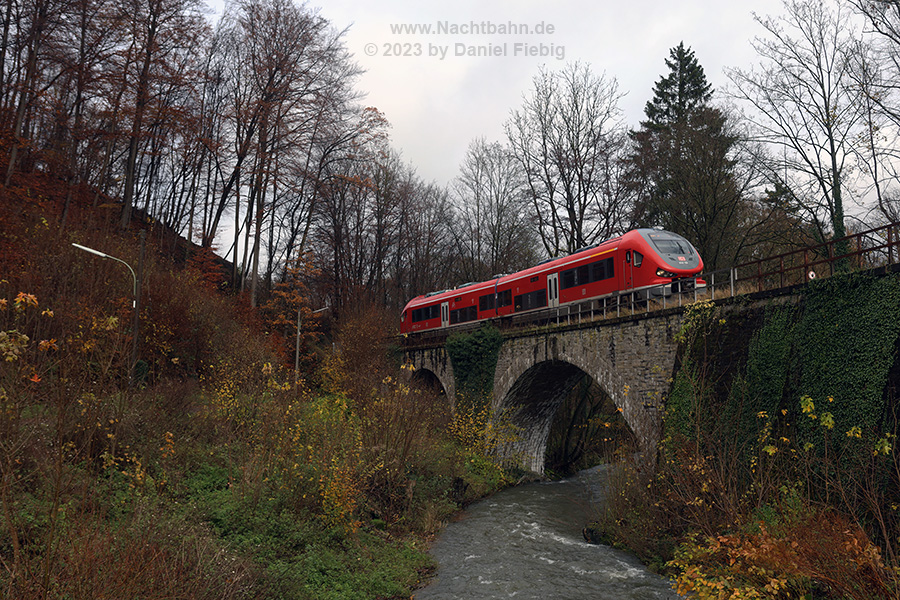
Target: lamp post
x,y
297,346
135,299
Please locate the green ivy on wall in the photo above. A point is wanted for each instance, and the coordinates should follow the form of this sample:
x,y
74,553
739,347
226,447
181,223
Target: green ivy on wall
x,y
845,348
839,344
474,358
686,408
760,389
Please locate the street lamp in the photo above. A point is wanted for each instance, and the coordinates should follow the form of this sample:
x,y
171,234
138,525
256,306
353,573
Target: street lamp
x,y
135,299
103,255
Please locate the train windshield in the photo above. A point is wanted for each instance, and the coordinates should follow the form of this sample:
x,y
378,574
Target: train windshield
x,y
672,246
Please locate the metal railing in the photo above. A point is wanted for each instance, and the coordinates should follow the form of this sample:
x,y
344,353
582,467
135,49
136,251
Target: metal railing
x,y
856,252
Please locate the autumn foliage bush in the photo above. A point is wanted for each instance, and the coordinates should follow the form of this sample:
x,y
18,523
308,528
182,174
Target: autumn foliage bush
x,y
221,472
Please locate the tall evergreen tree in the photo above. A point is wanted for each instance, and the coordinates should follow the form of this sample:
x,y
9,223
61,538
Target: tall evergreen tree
x,y
684,164
684,90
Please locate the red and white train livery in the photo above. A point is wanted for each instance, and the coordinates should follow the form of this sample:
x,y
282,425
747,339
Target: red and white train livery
x,y
633,262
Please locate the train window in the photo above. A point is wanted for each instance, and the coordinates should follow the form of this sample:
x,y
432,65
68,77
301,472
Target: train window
x,y
533,279
638,258
536,299
672,246
585,274
504,298
463,315
628,256
486,302
428,312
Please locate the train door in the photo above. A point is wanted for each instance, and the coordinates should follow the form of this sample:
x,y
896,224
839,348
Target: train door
x,y
627,272
445,314
553,290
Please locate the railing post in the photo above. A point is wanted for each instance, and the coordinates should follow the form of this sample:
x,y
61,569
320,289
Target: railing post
x,y
805,264
890,245
781,272
732,275
830,247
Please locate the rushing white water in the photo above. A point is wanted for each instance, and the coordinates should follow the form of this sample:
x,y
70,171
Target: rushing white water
x,y
526,542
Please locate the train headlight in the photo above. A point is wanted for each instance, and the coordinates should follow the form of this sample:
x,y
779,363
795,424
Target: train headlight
x,y
661,273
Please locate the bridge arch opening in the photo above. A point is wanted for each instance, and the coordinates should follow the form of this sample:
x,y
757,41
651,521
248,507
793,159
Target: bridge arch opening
x,y
559,397
587,429
427,379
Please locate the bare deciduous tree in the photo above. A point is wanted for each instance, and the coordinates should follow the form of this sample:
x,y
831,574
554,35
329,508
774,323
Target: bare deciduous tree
x,y
493,233
568,136
804,105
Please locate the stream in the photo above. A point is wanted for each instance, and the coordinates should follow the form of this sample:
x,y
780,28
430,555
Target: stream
x,y
526,542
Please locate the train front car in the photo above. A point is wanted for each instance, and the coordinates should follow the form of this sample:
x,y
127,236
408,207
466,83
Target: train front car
x,y
662,257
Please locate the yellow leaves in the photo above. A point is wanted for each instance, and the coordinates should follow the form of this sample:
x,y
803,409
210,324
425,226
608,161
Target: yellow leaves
x,y
109,323
883,445
807,404
770,449
12,345
854,432
168,447
24,300
47,345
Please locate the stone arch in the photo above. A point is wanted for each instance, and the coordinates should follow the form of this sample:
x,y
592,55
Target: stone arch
x,y
534,374
433,364
531,404
428,379
631,358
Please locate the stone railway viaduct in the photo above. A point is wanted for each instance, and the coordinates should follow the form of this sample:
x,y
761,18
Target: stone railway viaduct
x,y
632,358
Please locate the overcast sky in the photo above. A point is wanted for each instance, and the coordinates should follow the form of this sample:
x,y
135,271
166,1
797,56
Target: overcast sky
x,y
438,101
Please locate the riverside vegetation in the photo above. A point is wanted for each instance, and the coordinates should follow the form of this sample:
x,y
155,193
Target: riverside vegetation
x,y
221,476
778,474
218,475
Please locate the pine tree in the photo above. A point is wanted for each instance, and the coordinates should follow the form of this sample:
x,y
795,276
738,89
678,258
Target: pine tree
x,y
682,164
684,90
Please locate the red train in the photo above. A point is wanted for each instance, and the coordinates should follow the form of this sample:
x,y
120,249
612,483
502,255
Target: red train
x,y
633,262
